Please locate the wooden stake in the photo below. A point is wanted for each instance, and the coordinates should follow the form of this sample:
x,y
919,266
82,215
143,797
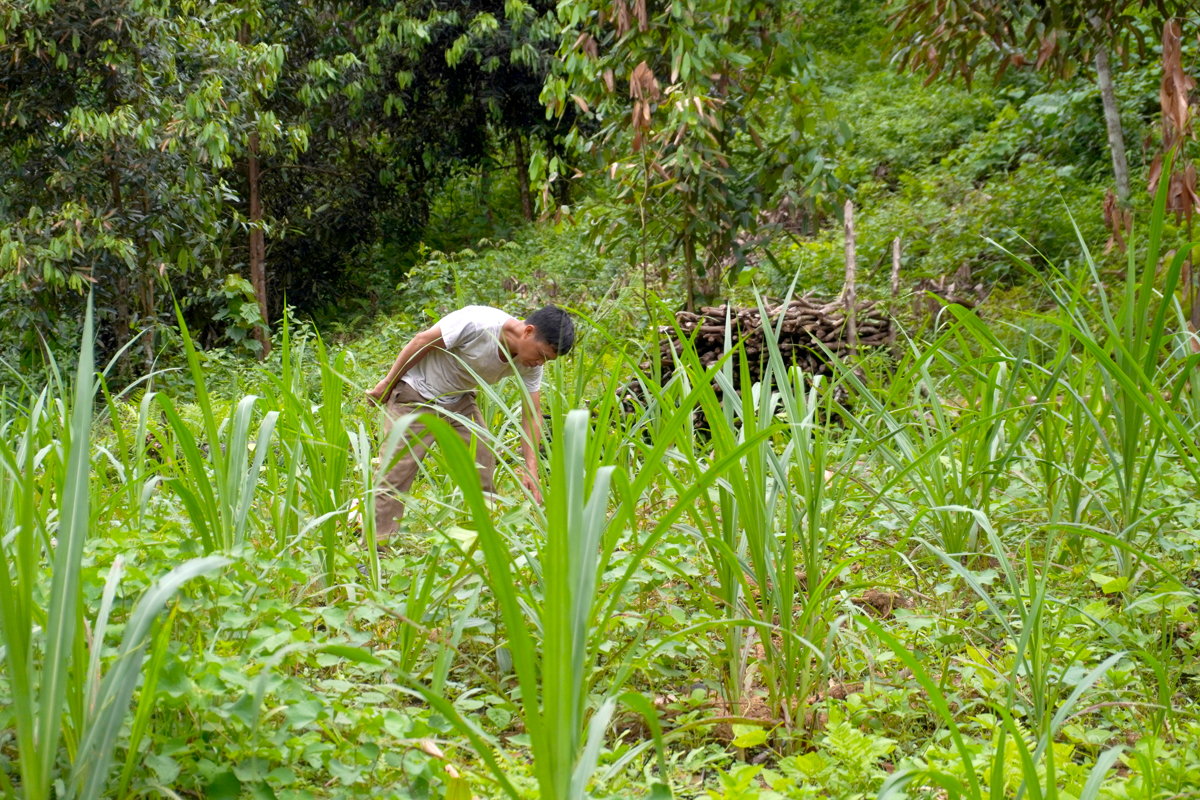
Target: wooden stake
x,y
895,267
849,291
895,284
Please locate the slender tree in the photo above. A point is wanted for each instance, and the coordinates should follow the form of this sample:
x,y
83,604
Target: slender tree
x,y
116,119
1055,36
696,115
151,148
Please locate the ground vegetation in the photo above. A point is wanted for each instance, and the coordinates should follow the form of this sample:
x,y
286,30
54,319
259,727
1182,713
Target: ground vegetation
x,y
956,558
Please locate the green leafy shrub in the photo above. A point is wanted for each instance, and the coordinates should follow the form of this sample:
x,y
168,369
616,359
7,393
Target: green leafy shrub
x,y
944,220
541,265
238,309
901,126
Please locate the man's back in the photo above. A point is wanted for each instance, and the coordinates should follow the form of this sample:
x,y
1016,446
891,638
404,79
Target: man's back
x,y
438,372
472,339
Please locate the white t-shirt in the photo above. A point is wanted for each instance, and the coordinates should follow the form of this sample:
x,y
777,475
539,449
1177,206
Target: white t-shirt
x,y
472,337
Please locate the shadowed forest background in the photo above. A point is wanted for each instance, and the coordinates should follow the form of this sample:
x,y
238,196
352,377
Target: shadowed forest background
x,y
335,158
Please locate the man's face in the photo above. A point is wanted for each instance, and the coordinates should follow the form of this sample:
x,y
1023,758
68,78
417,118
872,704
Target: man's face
x,y
532,351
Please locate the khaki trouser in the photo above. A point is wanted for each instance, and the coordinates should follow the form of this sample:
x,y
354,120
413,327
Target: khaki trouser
x,y
405,400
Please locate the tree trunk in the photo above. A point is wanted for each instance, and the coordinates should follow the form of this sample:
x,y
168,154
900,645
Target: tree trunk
x,y
258,250
562,187
522,159
121,300
1112,121
258,267
123,327
485,194
149,319
149,316
689,265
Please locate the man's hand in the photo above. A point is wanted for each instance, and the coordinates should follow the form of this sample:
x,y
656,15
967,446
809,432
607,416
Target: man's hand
x,y
531,418
377,395
529,481
414,351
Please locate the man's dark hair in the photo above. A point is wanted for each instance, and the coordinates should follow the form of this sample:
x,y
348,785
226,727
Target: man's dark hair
x,y
554,327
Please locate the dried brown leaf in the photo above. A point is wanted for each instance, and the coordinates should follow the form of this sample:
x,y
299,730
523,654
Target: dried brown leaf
x,y
754,136
1190,200
1049,44
1156,168
621,14
1110,208
1176,196
933,73
1004,64
642,83
431,749
1175,87
639,11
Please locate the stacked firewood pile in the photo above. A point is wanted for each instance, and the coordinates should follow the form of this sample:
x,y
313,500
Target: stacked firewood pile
x,y
808,323
958,289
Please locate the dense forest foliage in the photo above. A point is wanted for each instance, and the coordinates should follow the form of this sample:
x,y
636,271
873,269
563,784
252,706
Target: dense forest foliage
x,y
873,471
243,159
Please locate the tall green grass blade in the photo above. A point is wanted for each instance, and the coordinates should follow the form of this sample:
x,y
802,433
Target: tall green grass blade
x,y
16,604
92,765
362,448
585,766
1091,789
92,685
145,707
462,468
61,613
937,699
638,702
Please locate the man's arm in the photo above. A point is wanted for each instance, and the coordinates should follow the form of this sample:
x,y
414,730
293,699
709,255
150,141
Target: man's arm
x,y
410,354
531,424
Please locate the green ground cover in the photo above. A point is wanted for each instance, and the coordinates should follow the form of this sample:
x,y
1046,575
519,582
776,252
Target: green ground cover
x,y
975,578
968,567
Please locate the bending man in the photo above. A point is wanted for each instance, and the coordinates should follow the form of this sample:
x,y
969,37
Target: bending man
x,y
436,372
